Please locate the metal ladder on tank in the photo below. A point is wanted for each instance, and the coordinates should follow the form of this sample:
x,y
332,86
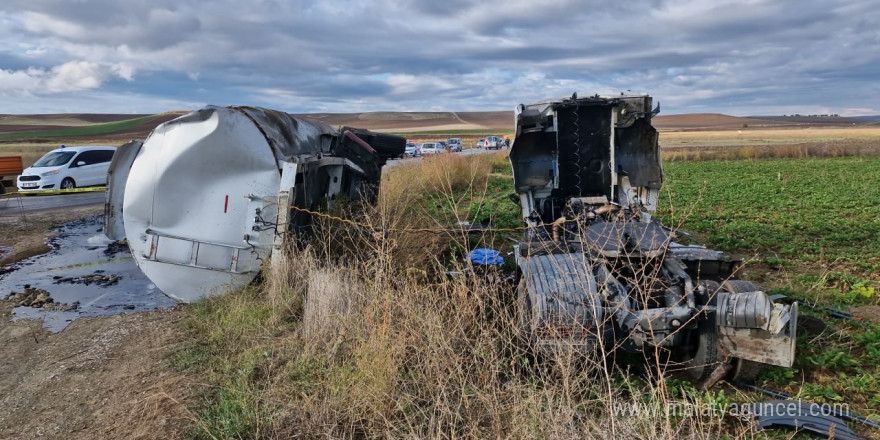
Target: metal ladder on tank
x,y
152,255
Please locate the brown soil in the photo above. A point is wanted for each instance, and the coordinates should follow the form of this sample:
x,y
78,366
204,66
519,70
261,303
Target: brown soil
x,y
105,377
490,121
99,378
419,121
870,313
94,118
710,121
11,128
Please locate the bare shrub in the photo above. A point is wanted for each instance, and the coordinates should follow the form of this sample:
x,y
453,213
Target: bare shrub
x,y
284,285
328,304
402,205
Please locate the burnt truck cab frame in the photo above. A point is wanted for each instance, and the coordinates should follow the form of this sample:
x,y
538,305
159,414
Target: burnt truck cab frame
x,y
596,270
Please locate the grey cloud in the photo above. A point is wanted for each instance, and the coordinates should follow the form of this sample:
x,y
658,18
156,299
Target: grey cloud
x,y
463,54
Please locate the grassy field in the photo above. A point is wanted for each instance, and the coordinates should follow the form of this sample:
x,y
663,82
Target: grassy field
x,y
80,131
809,229
817,212
379,335
366,337
746,136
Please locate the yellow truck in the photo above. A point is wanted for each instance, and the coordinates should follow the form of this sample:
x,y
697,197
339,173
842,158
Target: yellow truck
x,y
10,167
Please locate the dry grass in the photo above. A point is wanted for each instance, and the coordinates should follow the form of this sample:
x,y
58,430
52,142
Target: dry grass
x,y
748,136
364,347
409,198
842,148
770,143
391,356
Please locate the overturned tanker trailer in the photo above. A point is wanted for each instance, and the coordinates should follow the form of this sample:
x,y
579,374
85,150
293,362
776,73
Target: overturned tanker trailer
x,y
596,270
207,197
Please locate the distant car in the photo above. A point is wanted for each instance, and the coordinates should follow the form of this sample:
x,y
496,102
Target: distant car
x,y
412,149
491,143
454,144
432,148
68,168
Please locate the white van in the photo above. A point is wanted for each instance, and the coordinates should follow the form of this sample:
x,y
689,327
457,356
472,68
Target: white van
x,y
68,168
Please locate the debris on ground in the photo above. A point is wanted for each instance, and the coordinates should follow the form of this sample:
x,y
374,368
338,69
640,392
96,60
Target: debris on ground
x,y
97,278
39,299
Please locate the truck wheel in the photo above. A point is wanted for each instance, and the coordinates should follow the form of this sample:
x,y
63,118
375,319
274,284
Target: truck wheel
x,y
388,145
704,358
68,183
744,371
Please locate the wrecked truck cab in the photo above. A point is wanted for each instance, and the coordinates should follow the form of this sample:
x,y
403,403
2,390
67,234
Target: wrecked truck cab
x,y
597,270
208,197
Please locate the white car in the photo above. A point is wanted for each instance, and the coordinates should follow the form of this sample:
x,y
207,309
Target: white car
x,y
68,168
432,148
412,149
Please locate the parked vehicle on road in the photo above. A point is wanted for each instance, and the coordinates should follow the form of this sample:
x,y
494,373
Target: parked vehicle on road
x,y
454,144
68,168
491,143
412,149
432,148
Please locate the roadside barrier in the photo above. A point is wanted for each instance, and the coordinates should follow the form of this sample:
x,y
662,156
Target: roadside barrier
x,y
55,191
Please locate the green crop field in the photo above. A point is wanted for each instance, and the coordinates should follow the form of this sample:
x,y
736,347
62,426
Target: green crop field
x,y
810,229
820,212
80,131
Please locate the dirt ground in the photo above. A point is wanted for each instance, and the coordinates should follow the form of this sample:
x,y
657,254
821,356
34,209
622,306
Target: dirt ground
x,y
105,377
99,378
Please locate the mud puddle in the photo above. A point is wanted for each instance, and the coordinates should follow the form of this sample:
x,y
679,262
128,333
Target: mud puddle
x,y
85,274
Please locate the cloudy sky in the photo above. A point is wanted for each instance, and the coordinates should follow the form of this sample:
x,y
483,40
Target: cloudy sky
x,y
746,57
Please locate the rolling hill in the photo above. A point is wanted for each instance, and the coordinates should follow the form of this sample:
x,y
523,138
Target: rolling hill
x,y
115,127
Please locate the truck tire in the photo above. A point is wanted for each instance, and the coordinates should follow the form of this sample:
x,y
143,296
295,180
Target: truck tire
x,y
388,146
744,370
705,357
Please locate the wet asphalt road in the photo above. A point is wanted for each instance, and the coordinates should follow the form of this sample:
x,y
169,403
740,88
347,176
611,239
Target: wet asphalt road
x,y
14,204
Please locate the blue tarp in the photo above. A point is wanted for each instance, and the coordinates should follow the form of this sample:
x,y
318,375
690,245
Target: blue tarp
x,y
486,257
